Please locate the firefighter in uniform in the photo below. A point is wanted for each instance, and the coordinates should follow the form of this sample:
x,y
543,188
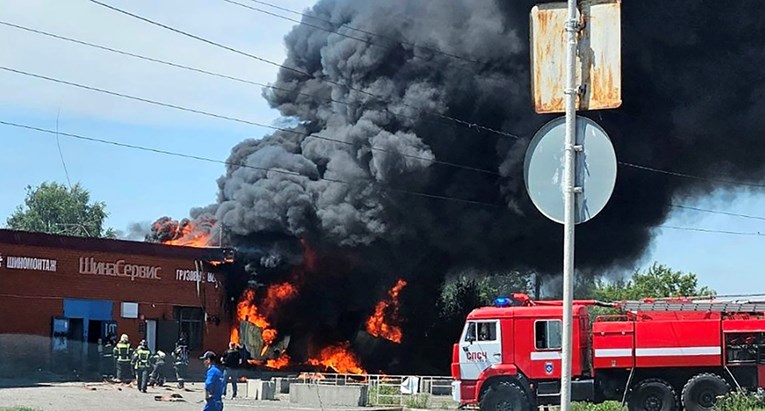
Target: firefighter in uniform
x,y
140,362
157,376
181,360
107,359
123,354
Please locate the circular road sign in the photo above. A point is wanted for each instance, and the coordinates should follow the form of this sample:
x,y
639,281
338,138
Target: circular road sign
x,y
595,169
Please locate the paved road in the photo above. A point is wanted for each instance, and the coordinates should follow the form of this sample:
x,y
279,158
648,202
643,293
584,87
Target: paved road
x,y
115,397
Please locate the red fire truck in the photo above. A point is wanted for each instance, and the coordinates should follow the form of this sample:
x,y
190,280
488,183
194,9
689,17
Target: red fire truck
x,y
653,355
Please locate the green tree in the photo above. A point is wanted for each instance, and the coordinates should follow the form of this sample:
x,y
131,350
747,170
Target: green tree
x,y
657,282
461,295
56,209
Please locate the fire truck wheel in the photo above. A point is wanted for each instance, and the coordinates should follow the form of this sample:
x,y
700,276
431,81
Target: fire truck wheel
x,y
653,394
505,396
701,391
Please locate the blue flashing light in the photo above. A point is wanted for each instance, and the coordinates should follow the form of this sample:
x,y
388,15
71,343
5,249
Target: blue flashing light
x,y
503,302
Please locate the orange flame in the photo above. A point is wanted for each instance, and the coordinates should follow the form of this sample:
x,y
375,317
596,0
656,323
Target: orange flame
x,y
246,310
234,334
377,324
311,376
259,313
186,232
339,358
309,255
276,295
280,362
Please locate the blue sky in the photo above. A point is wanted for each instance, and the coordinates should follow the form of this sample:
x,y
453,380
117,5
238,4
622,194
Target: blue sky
x,y
140,186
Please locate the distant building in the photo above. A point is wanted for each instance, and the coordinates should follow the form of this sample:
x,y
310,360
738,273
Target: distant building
x,y
60,294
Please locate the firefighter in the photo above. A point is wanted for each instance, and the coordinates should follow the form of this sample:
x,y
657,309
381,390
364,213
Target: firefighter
x,y
107,358
181,360
157,376
140,362
123,354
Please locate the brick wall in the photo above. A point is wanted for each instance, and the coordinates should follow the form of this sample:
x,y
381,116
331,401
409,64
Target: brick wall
x,y
30,298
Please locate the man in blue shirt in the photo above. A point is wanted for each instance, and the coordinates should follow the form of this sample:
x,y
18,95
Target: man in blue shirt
x,y
214,383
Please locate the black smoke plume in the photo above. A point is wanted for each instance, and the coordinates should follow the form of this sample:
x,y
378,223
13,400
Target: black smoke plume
x,y
693,91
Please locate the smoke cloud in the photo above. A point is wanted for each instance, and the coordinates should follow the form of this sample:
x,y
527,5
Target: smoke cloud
x,y
692,103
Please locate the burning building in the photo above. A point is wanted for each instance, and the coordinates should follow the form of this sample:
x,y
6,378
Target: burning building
x,y
387,97
59,295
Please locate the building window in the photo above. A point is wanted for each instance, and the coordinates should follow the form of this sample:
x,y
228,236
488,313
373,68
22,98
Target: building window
x,y
190,323
547,334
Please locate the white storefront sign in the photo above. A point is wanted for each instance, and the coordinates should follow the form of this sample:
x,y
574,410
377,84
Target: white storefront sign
x,y
194,275
27,263
119,268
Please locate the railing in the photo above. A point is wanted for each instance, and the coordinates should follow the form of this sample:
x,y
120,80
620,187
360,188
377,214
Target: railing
x,y
412,391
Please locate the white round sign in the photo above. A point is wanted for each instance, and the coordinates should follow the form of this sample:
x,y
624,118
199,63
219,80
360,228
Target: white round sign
x,y
595,169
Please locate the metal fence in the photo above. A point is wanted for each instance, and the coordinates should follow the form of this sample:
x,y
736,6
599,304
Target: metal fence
x,y
414,391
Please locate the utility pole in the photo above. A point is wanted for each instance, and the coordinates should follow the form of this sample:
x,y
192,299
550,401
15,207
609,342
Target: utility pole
x,y
569,197
556,30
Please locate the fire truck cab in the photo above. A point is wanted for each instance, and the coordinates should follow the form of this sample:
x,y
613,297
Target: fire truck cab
x,y
654,355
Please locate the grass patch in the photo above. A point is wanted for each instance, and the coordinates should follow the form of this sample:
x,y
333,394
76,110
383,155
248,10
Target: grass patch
x,y
604,406
740,401
18,409
416,401
734,401
384,395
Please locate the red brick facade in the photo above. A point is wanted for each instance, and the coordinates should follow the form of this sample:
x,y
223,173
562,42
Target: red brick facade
x,y
43,277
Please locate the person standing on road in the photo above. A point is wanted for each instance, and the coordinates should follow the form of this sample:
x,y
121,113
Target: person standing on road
x,y
181,360
123,353
141,363
214,383
107,359
232,360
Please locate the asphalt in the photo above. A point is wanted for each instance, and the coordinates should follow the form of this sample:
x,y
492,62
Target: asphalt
x,y
117,397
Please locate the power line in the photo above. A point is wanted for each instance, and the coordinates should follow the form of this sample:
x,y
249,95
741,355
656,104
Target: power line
x,y
690,176
705,230
344,142
703,210
464,123
239,120
384,188
243,165
369,33
366,41
194,69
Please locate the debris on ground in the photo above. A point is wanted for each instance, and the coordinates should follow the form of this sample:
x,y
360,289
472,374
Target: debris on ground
x,y
169,398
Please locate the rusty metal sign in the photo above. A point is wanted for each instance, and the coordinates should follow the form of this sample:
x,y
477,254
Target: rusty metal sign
x,y
598,61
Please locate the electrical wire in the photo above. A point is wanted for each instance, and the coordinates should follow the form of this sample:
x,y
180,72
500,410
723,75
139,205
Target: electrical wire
x,y
690,176
461,122
243,165
243,121
377,149
366,41
705,230
703,210
384,188
641,167
190,68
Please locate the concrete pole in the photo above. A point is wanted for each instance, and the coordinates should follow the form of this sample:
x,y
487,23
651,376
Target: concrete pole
x,y
572,27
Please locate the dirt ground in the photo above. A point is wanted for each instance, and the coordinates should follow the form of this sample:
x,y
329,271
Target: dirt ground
x,y
117,397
